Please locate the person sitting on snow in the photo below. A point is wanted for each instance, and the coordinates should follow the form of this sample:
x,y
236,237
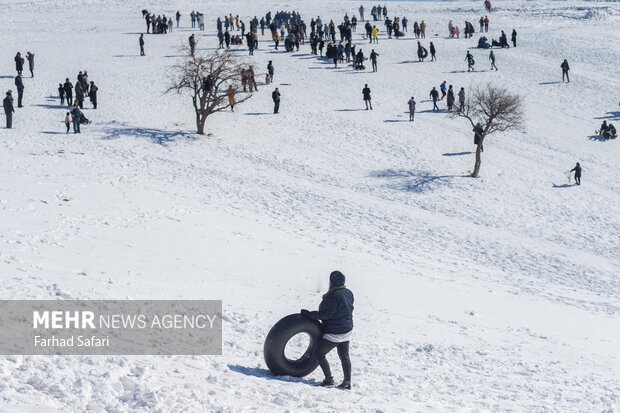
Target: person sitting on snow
x,y
336,314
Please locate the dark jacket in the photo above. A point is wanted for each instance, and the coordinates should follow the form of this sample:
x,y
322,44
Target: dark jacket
x,y
366,93
19,84
275,96
7,103
335,311
478,131
434,94
68,89
577,170
19,63
564,66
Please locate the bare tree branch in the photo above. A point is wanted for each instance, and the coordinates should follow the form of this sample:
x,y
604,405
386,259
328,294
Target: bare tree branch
x,y
490,109
210,78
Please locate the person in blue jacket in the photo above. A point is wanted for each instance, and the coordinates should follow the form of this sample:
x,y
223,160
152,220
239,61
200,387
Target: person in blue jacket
x,y
336,314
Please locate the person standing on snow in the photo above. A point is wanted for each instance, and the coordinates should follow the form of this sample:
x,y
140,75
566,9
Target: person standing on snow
x,y
565,70
141,41
30,57
68,87
486,24
411,105
366,94
462,99
492,59
361,10
92,94
61,93
514,38
68,121
192,44
336,314
7,104
230,92
76,116
450,98
178,16
270,70
478,131
19,63
577,170
432,49
19,84
275,96
373,59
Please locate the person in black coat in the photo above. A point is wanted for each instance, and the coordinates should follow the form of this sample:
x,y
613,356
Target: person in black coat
x,y
61,93
276,100
434,95
68,87
30,57
7,104
19,63
366,94
336,314
577,170
478,131
92,94
565,70
19,84
433,51
514,38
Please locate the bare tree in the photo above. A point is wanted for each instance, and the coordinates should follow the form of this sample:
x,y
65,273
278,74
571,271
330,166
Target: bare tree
x,y
210,78
490,109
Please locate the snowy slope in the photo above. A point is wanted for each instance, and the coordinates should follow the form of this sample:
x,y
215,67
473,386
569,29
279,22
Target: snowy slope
x,y
495,294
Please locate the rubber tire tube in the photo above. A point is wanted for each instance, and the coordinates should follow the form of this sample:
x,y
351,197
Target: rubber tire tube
x,y
280,334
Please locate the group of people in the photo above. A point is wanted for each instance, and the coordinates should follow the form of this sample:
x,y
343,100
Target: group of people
x,y
159,24
447,92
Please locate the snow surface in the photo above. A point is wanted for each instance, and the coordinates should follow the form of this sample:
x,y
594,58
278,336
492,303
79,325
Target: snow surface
x,y
495,294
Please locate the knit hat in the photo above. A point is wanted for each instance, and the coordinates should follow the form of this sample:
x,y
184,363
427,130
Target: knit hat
x,y
336,279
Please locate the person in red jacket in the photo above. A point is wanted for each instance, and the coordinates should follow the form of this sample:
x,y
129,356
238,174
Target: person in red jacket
x,y
486,24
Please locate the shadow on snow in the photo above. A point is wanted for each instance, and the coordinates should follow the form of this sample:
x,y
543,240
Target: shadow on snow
x,y
266,374
159,136
413,181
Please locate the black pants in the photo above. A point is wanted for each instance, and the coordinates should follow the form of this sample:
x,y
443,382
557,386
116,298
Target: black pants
x,y
374,65
411,115
9,120
565,74
325,346
276,106
368,104
578,179
20,95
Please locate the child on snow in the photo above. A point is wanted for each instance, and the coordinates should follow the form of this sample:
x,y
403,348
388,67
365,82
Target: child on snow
x,y
68,121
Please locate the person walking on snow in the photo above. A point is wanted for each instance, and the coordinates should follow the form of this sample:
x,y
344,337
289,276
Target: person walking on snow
x,y
275,96
470,62
432,50
411,105
7,104
577,170
492,59
336,314
434,95
366,94
565,70
231,97
442,87
270,71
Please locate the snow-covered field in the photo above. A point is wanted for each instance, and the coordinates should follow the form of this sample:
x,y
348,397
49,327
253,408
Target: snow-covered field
x,y
494,294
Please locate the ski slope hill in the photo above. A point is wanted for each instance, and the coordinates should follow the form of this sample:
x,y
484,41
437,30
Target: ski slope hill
x,y
494,294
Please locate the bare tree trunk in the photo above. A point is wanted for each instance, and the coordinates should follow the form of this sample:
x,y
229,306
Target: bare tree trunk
x,y
478,160
200,125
